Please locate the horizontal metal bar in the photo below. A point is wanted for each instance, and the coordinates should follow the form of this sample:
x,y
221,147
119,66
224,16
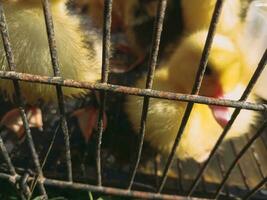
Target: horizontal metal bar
x,y
104,190
132,91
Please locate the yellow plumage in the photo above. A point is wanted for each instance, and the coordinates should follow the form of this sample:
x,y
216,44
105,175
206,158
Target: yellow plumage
x,y
227,70
182,17
28,38
197,15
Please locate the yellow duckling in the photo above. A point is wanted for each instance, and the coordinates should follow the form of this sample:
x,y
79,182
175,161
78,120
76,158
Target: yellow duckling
x,y
29,42
182,17
28,37
226,77
197,15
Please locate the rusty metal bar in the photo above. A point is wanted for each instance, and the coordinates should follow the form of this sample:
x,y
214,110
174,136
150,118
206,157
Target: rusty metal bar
x,y
104,80
104,190
244,96
19,100
256,189
60,98
196,87
239,156
132,91
162,4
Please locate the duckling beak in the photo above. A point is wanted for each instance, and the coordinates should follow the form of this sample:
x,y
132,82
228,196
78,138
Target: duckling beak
x,y
221,114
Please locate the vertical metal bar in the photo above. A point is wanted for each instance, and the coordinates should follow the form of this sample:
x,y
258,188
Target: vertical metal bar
x,y
19,100
245,180
239,156
60,98
256,189
104,79
247,91
196,87
149,82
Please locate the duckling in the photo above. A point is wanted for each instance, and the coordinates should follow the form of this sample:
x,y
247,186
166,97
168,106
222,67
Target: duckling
x,y
139,20
197,15
28,38
254,41
226,77
182,17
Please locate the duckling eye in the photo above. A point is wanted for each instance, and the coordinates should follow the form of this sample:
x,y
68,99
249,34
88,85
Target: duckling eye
x,y
208,71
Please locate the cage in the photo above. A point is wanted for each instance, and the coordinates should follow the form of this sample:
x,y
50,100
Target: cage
x,y
243,176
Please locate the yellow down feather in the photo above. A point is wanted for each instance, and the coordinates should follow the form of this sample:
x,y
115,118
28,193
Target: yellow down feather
x,y
28,38
197,15
226,65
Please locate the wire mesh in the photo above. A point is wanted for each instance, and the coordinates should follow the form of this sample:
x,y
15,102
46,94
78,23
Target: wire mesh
x,y
104,87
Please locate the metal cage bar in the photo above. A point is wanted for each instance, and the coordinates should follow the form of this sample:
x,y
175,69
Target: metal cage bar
x,y
60,98
103,190
132,91
149,83
104,80
196,87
